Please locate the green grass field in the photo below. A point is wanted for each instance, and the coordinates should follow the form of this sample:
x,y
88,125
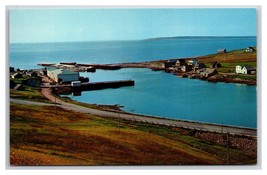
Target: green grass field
x,y
41,136
30,93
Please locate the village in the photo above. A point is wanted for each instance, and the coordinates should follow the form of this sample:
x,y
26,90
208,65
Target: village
x,y
210,71
66,74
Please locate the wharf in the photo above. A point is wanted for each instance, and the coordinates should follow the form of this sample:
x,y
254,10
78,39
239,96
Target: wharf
x,y
95,85
106,84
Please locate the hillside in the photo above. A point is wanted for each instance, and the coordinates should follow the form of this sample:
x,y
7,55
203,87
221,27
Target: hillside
x,y
41,135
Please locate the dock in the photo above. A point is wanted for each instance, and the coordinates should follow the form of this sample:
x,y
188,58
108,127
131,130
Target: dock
x,y
105,85
93,85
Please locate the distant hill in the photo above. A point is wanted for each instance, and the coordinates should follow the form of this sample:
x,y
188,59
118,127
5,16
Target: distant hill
x,y
196,37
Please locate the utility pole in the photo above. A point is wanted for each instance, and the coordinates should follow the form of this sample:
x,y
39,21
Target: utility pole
x,y
228,148
55,103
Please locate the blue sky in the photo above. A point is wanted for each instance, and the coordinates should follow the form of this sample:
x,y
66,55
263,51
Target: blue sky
x,y
59,25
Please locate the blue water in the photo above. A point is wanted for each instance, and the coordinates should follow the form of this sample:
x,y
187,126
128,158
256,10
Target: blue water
x,y
28,55
154,93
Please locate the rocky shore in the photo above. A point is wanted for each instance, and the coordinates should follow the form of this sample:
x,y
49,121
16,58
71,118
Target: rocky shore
x,y
157,66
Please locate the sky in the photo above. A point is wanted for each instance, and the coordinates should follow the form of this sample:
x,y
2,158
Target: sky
x,y
35,25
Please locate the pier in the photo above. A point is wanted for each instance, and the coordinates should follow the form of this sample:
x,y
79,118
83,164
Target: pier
x,y
93,85
106,84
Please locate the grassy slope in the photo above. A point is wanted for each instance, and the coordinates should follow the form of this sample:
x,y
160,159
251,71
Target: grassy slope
x,y
41,137
235,56
30,93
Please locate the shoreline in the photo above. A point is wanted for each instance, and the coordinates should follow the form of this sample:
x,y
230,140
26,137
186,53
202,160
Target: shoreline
x,y
146,118
176,123
213,79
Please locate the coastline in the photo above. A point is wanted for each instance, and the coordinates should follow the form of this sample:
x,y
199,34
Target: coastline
x,y
154,66
116,112
184,124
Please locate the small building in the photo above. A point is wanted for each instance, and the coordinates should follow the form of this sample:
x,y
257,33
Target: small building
x,y
207,72
62,75
16,75
169,63
248,70
238,69
76,83
250,49
186,68
19,87
215,65
180,62
199,66
221,51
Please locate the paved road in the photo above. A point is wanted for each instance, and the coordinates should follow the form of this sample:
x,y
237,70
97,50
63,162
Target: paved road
x,y
148,119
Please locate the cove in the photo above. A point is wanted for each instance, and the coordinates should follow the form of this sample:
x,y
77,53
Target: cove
x,y
165,95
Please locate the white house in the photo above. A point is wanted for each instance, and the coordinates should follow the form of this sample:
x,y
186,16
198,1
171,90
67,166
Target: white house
x,y
62,75
238,69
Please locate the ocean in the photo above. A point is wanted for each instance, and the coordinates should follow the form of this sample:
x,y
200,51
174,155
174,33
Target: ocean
x,y
155,93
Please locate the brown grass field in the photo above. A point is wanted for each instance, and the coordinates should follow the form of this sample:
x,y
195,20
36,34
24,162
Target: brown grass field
x,y
41,136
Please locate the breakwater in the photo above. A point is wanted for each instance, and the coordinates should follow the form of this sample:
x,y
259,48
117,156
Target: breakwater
x,y
105,85
68,89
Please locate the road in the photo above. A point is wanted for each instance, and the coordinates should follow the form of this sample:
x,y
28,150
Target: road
x,y
141,118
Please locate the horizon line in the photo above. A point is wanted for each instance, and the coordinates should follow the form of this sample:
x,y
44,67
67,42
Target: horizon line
x,y
154,38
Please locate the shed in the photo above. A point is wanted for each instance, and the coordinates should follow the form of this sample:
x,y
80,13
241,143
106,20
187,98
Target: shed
x,y
76,83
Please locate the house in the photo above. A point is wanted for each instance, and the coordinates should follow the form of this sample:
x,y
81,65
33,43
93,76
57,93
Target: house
x,y
62,75
19,87
215,65
16,75
248,70
169,63
186,68
180,62
221,51
207,72
199,66
238,69
245,69
250,49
